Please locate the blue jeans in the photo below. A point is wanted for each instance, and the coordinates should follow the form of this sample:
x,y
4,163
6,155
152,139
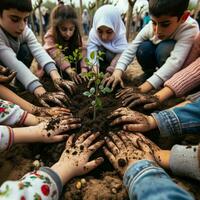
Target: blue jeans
x,y
179,120
151,56
146,181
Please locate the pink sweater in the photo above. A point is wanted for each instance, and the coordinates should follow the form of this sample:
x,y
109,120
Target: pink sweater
x,y
50,47
189,77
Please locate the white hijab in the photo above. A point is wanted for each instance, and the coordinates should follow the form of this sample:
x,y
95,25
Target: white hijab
x,y
109,16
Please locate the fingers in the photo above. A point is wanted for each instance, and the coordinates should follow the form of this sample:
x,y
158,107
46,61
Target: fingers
x,y
59,138
90,139
96,146
42,102
143,146
58,87
150,106
69,142
122,92
126,141
110,156
83,137
117,112
112,146
122,120
89,166
134,127
90,82
11,76
118,142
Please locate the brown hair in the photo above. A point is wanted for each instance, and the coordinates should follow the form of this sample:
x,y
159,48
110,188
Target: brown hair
x,y
60,14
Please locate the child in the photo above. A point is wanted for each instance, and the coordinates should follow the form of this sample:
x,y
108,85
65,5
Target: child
x,y
108,34
64,31
18,43
163,43
47,183
133,157
178,85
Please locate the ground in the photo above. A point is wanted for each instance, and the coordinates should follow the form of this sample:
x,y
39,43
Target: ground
x,y
103,183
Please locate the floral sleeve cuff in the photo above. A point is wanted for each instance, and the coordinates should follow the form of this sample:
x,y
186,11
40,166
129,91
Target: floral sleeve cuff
x,y
6,137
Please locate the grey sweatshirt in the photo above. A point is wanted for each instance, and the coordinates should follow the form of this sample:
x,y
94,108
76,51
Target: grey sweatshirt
x,y
9,48
184,36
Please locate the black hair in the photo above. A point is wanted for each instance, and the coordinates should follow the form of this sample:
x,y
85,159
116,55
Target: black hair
x,y
21,5
176,8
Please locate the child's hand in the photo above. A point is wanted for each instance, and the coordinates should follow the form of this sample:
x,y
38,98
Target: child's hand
x,y
60,83
6,76
132,99
48,112
114,80
53,97
127,91
74,159
74,76
51,128
124,152
133,120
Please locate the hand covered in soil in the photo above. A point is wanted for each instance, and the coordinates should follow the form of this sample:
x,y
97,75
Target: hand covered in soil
x,y
52,111
60,83
114,79
52,127
58,98
6,76
127,92
74,159
74,76
122,152
133,120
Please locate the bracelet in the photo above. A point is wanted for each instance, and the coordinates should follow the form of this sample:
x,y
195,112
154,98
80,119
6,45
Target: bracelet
x,y
11,138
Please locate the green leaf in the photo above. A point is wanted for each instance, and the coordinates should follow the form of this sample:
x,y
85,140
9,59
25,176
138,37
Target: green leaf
x,y
92,90
92,55
87,94
107,90
98,81
101,87
93,103
98,102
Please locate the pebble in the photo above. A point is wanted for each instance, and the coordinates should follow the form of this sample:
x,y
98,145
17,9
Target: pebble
x,y
114,191
78,185
83,181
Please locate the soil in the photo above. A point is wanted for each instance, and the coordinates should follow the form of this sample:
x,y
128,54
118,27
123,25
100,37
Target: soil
x,y
104,183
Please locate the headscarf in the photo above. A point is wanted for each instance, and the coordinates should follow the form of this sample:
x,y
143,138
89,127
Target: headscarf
x,y
108,15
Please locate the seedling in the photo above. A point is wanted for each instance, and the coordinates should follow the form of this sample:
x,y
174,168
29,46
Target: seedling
x,y
97,77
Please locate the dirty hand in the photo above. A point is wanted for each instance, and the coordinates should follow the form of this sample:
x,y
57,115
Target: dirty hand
x,y
52,128
133,120
53,97
60,83
134,99
74,160
122,152
6,76
74,76
127,92
114,79
52,111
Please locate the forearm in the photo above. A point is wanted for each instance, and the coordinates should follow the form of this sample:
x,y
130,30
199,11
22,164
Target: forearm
x,y
145,87
164,94
8,95
147,181
54,75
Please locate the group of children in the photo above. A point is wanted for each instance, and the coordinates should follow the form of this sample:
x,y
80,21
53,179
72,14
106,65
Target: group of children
x,y
168,50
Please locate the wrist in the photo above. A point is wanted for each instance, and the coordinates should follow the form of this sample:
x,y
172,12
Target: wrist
x,y
145,87
152,122
162,158
60,169
54,75
31,120
39,91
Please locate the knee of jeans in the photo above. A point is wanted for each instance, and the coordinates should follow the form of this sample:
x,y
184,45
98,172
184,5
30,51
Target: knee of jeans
x,y
163,51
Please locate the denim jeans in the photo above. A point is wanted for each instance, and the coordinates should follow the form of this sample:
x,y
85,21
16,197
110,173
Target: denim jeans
x,y
151,56
179,120
146,181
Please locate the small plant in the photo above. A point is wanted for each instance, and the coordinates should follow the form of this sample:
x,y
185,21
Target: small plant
x,y
75,58
97,77
58,54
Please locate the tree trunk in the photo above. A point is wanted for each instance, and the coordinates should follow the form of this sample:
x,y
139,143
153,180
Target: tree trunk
x,y
129,20
197,9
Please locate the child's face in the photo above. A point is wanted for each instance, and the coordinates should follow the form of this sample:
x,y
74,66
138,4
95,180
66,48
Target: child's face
x,y
165,26
14,21
67,29
105,34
